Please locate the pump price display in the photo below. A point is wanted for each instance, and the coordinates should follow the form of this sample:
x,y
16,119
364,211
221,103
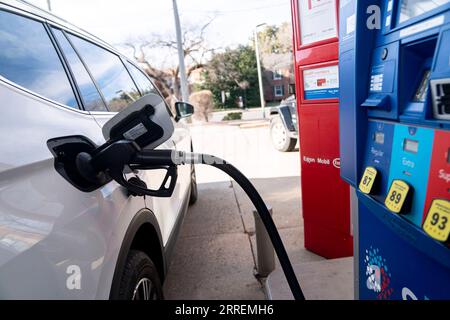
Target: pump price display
x,y
397,195
437,222
367,180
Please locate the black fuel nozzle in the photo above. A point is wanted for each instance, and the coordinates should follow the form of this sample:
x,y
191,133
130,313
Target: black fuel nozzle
x,y
150,158
114,155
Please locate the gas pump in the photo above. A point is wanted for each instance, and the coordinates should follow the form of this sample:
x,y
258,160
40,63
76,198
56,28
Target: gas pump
x,y
325,197
395,144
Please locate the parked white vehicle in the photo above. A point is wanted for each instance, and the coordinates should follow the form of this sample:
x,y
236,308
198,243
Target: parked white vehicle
x,y
56,241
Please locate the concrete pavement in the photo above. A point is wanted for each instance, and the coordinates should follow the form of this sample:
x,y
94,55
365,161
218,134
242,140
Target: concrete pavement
x,y
324,280
213,258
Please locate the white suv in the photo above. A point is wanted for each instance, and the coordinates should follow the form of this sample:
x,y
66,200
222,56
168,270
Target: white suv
x,y
56,241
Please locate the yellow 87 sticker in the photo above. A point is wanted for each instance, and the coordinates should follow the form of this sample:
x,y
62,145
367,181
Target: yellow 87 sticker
x,y
437,222
397,196
367,180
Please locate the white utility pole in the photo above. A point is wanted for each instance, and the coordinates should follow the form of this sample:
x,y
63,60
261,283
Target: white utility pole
x,y
258,62
49,5
182,67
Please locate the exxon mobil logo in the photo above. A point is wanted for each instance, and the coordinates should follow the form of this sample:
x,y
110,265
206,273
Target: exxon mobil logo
x,y
444,175
337,163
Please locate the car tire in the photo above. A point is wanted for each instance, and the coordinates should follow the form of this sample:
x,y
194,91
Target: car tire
x,y
278,134
140,279
194,191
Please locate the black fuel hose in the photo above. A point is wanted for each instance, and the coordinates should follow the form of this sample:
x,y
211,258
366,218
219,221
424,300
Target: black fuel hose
x,y
168,157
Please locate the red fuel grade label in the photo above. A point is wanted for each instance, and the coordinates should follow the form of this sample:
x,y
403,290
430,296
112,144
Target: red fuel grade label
x,y
439,177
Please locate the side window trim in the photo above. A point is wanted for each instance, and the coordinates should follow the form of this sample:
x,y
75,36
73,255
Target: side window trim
x,y
66,66
123,59
103,47
49,25
85,66
131,76
143,72
87,69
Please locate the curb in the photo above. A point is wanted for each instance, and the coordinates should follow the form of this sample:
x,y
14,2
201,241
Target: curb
x,y
254,125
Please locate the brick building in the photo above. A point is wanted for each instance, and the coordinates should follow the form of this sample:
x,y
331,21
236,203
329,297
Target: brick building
x,y
278,76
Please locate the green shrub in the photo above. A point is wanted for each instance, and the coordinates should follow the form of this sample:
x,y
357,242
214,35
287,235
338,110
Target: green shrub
x,y
233,116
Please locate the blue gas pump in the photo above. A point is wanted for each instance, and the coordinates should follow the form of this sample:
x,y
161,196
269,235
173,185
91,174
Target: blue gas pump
x,y
395,144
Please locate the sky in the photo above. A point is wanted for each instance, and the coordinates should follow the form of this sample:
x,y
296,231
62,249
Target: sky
x,y
116,21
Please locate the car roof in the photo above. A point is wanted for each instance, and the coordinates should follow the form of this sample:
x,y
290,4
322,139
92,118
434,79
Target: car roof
x,y
40,13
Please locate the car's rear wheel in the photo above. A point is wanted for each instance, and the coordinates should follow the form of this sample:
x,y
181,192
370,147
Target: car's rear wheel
x,y
140,279
280,138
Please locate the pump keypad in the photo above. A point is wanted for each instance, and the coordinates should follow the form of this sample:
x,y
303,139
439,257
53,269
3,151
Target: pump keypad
x,y
368,179
398,196
437,222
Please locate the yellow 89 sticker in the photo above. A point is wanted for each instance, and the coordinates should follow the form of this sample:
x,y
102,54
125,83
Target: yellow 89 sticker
x,y
367,180
437,222
397,195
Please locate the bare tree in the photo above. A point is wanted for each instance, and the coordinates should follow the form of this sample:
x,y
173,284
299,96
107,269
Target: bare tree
x,y
195,52
276,39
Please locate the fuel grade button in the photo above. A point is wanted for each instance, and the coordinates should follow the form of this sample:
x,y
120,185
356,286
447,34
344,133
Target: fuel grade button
x,y
437,222
368,179
398,198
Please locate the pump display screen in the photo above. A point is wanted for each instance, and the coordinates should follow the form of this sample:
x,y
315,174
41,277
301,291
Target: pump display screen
x,y
411,146
412,8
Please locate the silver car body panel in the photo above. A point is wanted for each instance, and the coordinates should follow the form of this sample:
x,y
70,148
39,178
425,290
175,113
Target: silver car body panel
x,y
52,235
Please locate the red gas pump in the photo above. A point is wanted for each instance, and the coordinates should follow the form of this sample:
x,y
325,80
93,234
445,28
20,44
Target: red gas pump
x,y
325,197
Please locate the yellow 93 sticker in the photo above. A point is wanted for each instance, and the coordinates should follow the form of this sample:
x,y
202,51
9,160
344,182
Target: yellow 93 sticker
x,y
396,196
367,180
437,222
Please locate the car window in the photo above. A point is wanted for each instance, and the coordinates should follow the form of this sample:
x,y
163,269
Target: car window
x,y
144,84
28,58
109,72
92,100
